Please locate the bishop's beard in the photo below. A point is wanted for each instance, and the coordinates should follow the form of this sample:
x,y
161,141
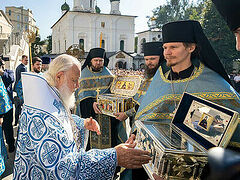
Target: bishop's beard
x,y
67,96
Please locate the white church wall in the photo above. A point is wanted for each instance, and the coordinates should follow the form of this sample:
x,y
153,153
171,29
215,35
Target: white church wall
x,y
149,36
74,26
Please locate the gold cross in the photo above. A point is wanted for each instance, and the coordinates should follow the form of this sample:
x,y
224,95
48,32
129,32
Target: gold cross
x,y
98,91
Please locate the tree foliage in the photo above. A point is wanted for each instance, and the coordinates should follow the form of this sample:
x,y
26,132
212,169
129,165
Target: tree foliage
x,y
176,10
219,35
49,44
37,46
215,28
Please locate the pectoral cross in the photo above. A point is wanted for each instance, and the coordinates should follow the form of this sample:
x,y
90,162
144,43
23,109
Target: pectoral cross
x,y
98,91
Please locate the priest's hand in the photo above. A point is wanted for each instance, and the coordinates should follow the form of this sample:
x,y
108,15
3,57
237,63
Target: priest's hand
x,y
96,109
156,177
1,121
131,139
131,158
92,125
121,116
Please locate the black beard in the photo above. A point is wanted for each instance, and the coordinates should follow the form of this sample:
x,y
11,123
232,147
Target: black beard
x,y
149,73
96,69
36,71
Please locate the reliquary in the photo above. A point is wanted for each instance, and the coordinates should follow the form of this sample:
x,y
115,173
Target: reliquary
x,y
122,90
179,149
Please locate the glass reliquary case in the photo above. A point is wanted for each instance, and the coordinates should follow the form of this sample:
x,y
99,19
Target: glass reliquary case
x,y
122,90
179,149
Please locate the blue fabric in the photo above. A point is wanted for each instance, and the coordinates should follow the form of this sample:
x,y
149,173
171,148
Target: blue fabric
x,y
19,91
8,79
44,151
159,101
90,82
48,139
142,90
5,101
80,126
3,152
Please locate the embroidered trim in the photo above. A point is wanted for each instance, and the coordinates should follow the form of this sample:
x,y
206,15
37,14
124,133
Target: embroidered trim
x,y
157,116
92,89
204,95
197,72
96,77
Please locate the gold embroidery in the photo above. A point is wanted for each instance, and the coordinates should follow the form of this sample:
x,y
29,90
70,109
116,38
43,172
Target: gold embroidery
x,y
198,71
204,95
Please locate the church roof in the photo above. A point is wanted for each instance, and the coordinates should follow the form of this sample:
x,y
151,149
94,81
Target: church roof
x,y
110,54
90,13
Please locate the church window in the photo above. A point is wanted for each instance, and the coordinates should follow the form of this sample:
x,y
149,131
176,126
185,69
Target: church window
x,y
18,26
26,19
54,46
159,36
103,44
90,3
0,29
81,44
143,41
65,44
154,39
18,17
59,46
102,24
9,12
122,45
26,27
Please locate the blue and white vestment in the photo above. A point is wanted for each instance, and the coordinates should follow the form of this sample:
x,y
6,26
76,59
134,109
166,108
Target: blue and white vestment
x,y
51,142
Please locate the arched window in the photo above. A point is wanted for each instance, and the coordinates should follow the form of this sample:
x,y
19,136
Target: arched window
x,y
65,44
91,4
103,44
122,45
59,46
81,44
142,42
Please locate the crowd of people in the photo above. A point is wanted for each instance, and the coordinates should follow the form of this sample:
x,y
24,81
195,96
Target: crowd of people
x,y
62,131
127,72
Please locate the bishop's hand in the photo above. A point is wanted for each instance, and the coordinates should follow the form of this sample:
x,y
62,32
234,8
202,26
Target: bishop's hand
x,y
92,125
131,158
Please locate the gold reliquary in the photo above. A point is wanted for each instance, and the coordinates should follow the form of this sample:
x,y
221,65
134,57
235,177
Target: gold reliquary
x,y
179,149
123,89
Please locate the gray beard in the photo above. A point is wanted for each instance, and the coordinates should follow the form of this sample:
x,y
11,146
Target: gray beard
x,y
67,97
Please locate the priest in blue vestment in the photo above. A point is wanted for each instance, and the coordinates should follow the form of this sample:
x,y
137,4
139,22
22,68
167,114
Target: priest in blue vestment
x,y
96,79
191,66
51,141
153,58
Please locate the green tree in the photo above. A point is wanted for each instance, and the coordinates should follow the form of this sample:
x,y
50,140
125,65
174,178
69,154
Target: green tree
x,y
176,10
49,44
36,46
135,44
219,35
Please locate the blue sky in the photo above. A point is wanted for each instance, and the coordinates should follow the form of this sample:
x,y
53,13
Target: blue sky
x,y
47,12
